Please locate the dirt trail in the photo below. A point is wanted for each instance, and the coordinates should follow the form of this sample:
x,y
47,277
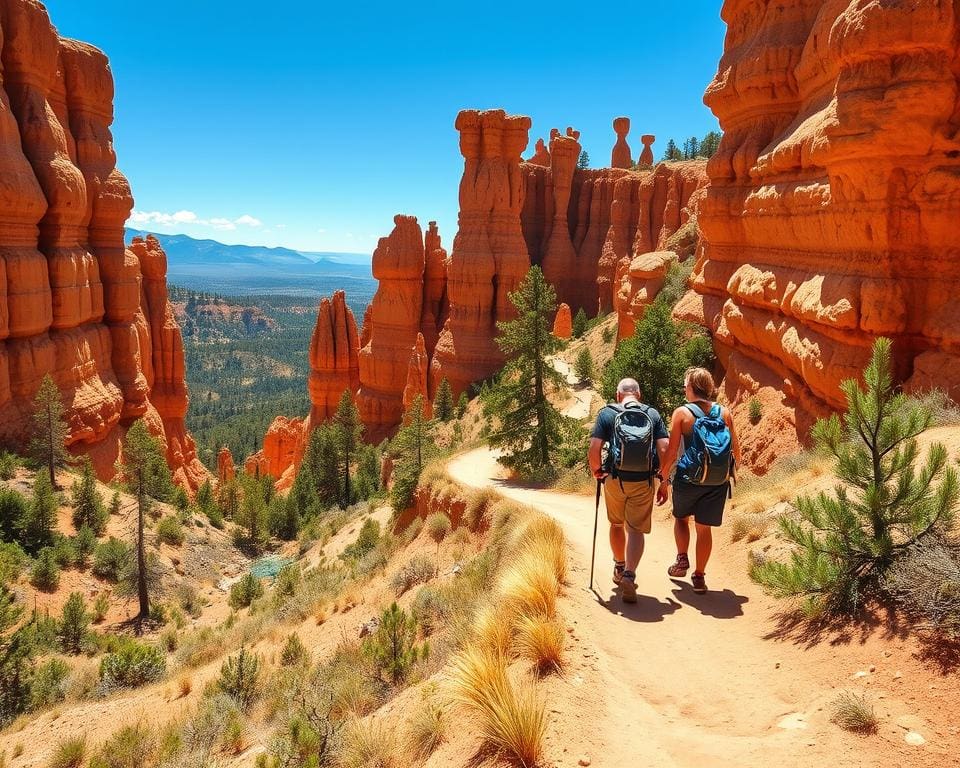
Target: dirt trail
x,y
681,679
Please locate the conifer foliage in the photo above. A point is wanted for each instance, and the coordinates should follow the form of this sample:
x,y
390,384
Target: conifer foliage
x,y
887,498
529,432
50,430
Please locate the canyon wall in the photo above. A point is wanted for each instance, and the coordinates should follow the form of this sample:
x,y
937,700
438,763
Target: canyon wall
x,y
74,302
831,214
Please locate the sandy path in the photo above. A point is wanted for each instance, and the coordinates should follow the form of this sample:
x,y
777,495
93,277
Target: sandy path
x,y
687,680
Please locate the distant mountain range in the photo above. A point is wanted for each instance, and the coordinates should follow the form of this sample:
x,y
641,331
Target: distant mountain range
x,y
214,267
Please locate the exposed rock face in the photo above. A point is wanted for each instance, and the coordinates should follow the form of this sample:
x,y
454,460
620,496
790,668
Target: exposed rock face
x,y
334,364
282,452
71,302
620,157
563,322
489,256
646,154
639,286
226,470
436,305
418,371
831,217
541,155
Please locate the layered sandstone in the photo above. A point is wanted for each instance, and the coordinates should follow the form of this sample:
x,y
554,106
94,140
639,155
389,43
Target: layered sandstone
x,y
418,371
563,322
226,471
71,303
281,454
831,215
639,286
646,154
334,362
620,156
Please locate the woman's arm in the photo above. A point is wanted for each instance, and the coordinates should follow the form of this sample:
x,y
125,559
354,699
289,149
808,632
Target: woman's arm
x,y
728,418
673,447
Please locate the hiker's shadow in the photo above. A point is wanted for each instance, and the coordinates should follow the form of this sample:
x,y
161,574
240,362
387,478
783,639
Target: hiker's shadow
x,y
725,604
647,609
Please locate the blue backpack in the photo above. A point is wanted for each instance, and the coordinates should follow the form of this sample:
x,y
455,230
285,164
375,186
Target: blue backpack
x,y
708,459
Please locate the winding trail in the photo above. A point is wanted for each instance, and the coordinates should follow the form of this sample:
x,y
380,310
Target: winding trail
x,y
681,679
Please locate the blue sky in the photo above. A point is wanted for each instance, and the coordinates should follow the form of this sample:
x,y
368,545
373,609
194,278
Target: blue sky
x,y
310,124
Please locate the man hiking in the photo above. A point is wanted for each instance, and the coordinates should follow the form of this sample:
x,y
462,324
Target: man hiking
x,y
710,452
637,440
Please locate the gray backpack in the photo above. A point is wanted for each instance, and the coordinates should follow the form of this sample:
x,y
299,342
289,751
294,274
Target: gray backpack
x,y
631,449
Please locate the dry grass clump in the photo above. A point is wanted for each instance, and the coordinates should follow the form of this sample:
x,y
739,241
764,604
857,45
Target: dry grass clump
x,y
426,729
185,684
491,632
854,713
131,747
528,586
511,718
750,526
368,744
478,502
69,753
540,640
543,539
418,570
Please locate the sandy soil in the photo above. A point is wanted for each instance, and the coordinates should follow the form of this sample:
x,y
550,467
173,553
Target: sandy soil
x,y
681,679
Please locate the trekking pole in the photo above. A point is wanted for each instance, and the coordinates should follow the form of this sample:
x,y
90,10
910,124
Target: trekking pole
x,y
596,519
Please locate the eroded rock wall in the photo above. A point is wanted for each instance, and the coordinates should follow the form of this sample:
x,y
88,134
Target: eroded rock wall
x,y
74,302
831,215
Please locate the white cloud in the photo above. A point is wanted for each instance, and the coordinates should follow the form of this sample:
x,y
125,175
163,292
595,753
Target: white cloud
x,y
180,218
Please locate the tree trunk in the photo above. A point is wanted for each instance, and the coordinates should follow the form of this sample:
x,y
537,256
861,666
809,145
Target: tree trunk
x,y
141,562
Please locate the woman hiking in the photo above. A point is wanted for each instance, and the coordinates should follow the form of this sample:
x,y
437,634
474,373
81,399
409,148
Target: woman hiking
x,y
703,435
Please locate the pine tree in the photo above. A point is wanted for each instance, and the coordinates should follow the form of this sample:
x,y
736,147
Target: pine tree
x,y
580,323
413,446
50,430
462,403
74,623
529,431
319,465
671,152
584,160
38,523
253,512
583,365
142,467
88,506
393,646
885,502
347,428
16,649
694,146
443,401
710,144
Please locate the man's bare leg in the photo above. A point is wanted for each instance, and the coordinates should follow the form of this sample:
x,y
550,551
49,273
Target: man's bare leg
x,y
704,546
681,532
618,541
634,550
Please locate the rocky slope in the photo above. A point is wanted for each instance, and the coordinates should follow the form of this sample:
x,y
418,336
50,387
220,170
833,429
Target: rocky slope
x,y
75,302
830,218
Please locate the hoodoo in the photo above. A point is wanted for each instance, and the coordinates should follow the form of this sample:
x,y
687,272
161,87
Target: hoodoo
x,y
74,302
830,219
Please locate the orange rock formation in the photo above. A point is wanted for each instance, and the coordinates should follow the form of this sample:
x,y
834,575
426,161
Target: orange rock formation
x,y
226,471
418,371
541,155
831,216
620,157
73,301
334,364
563,322
646,154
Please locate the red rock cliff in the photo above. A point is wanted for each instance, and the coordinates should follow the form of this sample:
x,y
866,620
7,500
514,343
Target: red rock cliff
x,y
71,293
831,215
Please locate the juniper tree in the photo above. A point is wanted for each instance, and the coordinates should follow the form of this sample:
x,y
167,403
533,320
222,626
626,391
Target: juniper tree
x,y
49,429
443,401
347,428
886,499
529,431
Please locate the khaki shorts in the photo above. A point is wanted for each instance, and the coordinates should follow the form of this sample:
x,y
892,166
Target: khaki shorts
x,y
630,503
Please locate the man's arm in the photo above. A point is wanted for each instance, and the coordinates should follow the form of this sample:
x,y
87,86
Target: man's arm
x,y
595,457
673,446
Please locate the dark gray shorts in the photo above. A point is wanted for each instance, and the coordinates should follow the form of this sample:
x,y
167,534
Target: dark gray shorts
x,y
704,502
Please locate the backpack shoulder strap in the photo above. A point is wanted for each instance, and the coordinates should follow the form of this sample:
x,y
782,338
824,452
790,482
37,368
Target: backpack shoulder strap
x,y
696,410
615,407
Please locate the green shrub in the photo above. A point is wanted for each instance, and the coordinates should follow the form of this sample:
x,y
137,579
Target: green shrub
x,y
49,684
84,545
294,652
607,334
392,647
853,712
366,541
101,607
8,465
580,322
462,402
240,678
189,600
13,510
45,574
131,747
70,753
583,365
111,559
74,623
88,509
132,665
245,591
170,531
418,570
12,561
287,581
64,551
754,410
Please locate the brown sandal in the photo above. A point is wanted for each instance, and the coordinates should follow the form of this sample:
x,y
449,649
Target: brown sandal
x,y
679,569
699,583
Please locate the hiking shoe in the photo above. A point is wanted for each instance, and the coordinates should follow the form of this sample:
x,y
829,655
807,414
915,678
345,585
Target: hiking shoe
x,y
618,572
699,583
628,588
680,567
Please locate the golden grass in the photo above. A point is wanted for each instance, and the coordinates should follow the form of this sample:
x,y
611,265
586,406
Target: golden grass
x,y
528,587
368,744
543,539
70,753
186,685
426,730
511,719
854,713
491,632
540,640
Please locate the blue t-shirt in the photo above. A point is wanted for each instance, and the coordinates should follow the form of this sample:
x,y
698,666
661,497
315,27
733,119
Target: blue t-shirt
x,y
603,430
